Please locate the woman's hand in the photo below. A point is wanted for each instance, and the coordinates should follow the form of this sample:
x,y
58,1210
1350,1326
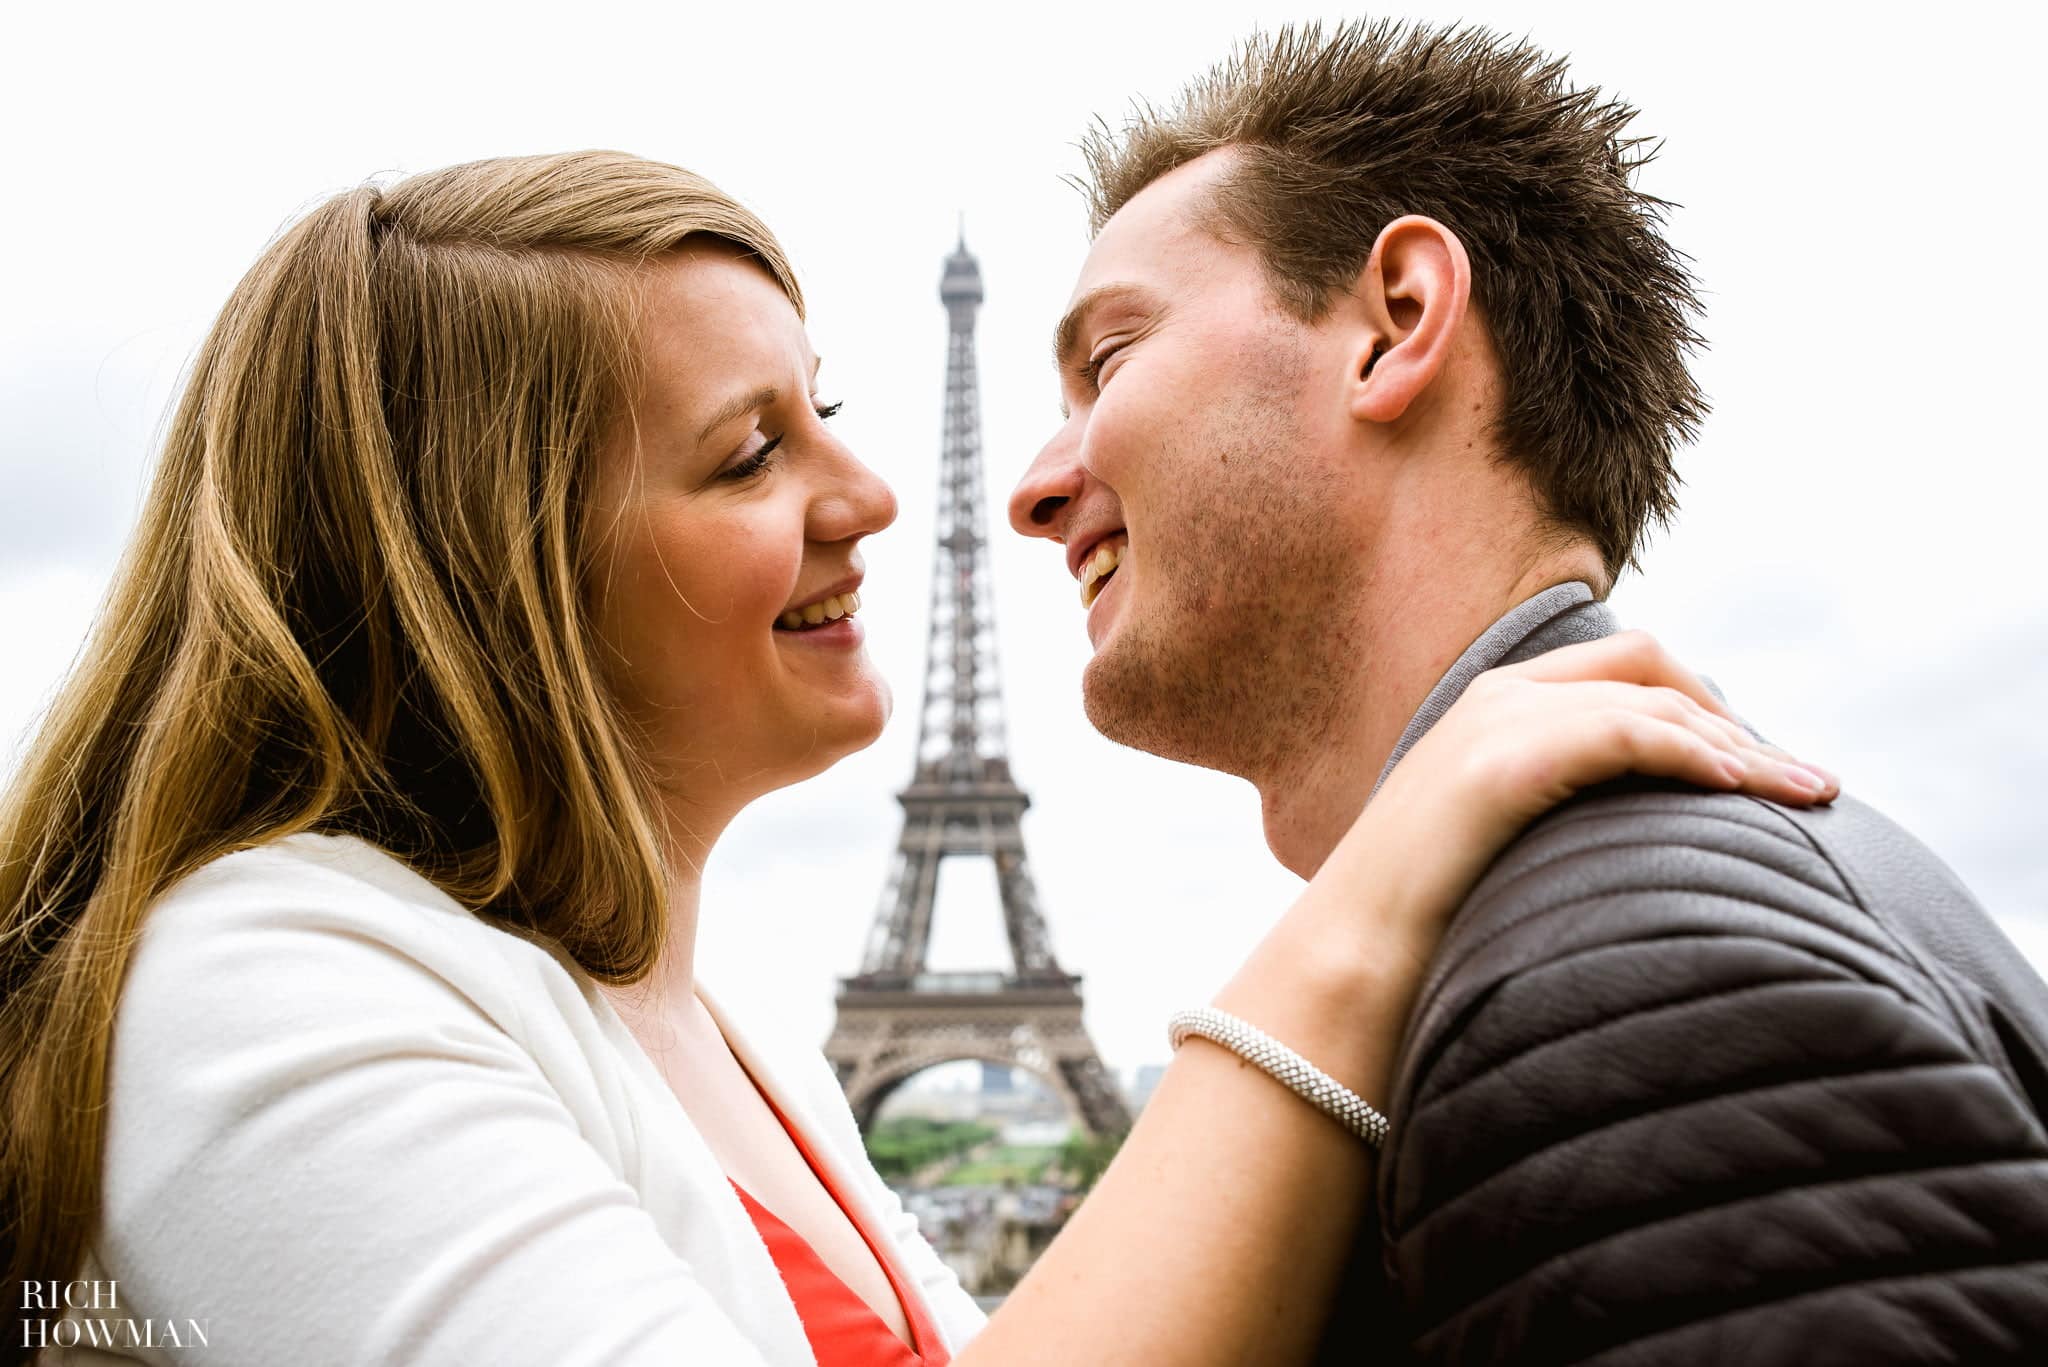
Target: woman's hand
x,y
1525,737
1348,958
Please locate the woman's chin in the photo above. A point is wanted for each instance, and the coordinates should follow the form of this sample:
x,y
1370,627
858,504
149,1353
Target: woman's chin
x,y
871,723
850,727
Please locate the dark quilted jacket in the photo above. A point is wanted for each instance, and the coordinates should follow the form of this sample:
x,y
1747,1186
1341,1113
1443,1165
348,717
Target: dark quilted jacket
x,y
1696,1078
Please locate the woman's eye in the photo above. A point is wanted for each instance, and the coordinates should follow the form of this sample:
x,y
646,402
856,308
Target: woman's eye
x,y
753,463
758,460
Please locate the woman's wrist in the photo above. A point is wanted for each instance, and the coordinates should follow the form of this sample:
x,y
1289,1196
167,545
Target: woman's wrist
x,y
1335,977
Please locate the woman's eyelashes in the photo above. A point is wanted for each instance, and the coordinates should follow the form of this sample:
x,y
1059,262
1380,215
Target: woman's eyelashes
x,y
758,460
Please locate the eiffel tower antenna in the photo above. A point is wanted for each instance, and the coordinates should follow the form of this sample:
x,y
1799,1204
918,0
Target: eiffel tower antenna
x,y
895,1018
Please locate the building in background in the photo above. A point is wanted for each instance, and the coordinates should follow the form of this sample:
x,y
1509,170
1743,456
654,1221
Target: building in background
x,y
895,1018
1000,1112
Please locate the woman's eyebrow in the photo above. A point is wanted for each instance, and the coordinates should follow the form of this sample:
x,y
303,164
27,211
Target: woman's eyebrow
x,y
738,404
764,397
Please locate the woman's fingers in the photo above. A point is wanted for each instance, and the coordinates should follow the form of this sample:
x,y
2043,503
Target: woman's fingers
x,y
1663,748
1526,737
1626,657
1767,770
1763,769
1733,755
1636,658
1546,739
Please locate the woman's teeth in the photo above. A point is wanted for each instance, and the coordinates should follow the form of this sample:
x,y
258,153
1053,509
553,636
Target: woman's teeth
x,y
814,614
1107,557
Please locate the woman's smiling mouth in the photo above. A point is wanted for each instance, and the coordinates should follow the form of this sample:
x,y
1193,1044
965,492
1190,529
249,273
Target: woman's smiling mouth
x,y
823,612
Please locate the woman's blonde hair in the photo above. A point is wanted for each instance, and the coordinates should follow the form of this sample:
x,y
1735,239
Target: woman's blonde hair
x,y
353,605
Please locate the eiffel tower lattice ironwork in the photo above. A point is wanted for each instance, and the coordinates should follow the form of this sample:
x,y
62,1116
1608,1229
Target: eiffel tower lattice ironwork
x,y
896,1018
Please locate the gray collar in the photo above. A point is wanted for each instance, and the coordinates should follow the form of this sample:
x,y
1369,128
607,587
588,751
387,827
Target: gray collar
x,y
1558,616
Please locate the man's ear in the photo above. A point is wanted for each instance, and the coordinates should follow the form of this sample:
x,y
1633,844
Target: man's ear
x,y
1411,297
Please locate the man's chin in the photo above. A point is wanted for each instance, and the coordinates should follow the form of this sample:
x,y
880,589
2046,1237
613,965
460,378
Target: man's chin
x,y
1137,706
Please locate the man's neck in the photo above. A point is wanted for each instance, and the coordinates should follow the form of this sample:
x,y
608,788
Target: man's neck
x,y
1320,785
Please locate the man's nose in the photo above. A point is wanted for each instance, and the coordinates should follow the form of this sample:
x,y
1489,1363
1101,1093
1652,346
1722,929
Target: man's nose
x,y
1043,500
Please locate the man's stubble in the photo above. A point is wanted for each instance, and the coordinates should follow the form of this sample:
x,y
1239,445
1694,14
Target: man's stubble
x,y
1239,655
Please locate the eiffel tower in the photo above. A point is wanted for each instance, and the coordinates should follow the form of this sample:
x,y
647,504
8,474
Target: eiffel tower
x,y
894,1017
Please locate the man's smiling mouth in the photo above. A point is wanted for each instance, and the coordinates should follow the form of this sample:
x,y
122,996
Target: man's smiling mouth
x,y
1109,554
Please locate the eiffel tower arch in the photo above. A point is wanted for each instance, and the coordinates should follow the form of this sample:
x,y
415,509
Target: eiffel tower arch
x,y
895,1017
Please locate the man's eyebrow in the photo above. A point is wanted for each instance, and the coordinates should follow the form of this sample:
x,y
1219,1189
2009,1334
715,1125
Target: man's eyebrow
x,y
1067,336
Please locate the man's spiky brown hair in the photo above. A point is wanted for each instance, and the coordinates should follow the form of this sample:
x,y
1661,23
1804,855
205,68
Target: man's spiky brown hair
x,y
1589,309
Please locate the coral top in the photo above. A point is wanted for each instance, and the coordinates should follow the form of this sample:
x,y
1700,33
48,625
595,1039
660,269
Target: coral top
x,y
842,1330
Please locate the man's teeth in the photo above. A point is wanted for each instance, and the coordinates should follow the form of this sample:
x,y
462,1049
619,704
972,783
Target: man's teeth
x,y
1105,559
812,614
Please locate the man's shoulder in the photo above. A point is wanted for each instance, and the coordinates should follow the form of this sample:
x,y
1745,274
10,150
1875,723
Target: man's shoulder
x,y
1626,907
1639,863
1665,1020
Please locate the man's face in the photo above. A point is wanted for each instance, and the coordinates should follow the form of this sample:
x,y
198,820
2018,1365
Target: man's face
x,y
1204,445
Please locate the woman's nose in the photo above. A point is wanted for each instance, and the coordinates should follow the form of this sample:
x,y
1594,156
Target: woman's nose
x,y
855,502
876,501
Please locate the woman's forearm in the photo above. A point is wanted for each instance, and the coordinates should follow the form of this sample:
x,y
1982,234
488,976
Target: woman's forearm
x,y
1218,1234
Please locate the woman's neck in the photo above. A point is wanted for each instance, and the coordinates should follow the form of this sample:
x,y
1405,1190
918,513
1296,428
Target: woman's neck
x,y
669,989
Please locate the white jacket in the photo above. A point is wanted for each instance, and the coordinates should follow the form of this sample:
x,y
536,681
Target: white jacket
x,y
352,1123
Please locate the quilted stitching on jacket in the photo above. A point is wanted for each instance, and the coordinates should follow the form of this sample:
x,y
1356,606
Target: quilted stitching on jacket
x,y
1697,1079
1669,1086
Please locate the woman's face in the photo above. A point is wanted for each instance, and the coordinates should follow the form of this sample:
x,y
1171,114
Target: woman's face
x,y
736,507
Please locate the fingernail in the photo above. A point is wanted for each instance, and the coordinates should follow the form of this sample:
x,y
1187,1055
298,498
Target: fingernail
x,y
1804,779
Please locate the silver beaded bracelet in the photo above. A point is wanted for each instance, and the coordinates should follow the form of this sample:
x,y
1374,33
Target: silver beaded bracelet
x,y
1286,1067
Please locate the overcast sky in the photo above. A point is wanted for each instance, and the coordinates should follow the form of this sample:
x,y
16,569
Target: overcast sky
x,y
1859,562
